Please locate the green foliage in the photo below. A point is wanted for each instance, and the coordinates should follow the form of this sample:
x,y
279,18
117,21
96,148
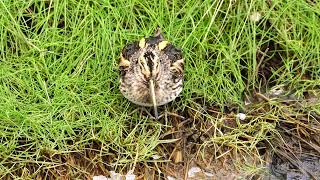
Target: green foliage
x,y
59,77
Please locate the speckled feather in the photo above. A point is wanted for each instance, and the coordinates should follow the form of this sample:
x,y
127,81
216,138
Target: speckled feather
x,y
149,59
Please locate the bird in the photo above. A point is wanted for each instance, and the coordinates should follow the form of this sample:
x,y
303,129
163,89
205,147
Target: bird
x,y
151,71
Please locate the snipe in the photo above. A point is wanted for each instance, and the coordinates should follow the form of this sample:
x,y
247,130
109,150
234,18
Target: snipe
x,y
151,71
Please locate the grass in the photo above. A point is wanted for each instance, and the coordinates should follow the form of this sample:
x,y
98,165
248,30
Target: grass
x,y
59,91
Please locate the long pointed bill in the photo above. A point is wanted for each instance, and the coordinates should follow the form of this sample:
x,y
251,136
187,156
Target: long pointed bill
x,y
153,97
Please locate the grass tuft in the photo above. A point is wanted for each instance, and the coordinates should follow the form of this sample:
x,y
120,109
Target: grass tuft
x,y
61,112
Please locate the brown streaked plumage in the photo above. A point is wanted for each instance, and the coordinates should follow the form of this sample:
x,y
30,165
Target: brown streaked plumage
x,y
151,71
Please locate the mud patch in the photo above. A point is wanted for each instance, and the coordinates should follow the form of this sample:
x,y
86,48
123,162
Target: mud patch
x,y
304,167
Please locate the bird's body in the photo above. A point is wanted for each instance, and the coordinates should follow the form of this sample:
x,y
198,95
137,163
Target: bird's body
x,y
151,71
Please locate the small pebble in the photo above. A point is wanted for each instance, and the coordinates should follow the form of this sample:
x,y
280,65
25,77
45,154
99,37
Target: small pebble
x,y
255,16
100,178
155,156
192,171
171,178
241,116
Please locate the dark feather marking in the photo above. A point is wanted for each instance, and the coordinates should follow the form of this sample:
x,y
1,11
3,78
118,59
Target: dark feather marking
x,y
122,72
178,86
152,41
130,49
149,56
173,53
176,76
